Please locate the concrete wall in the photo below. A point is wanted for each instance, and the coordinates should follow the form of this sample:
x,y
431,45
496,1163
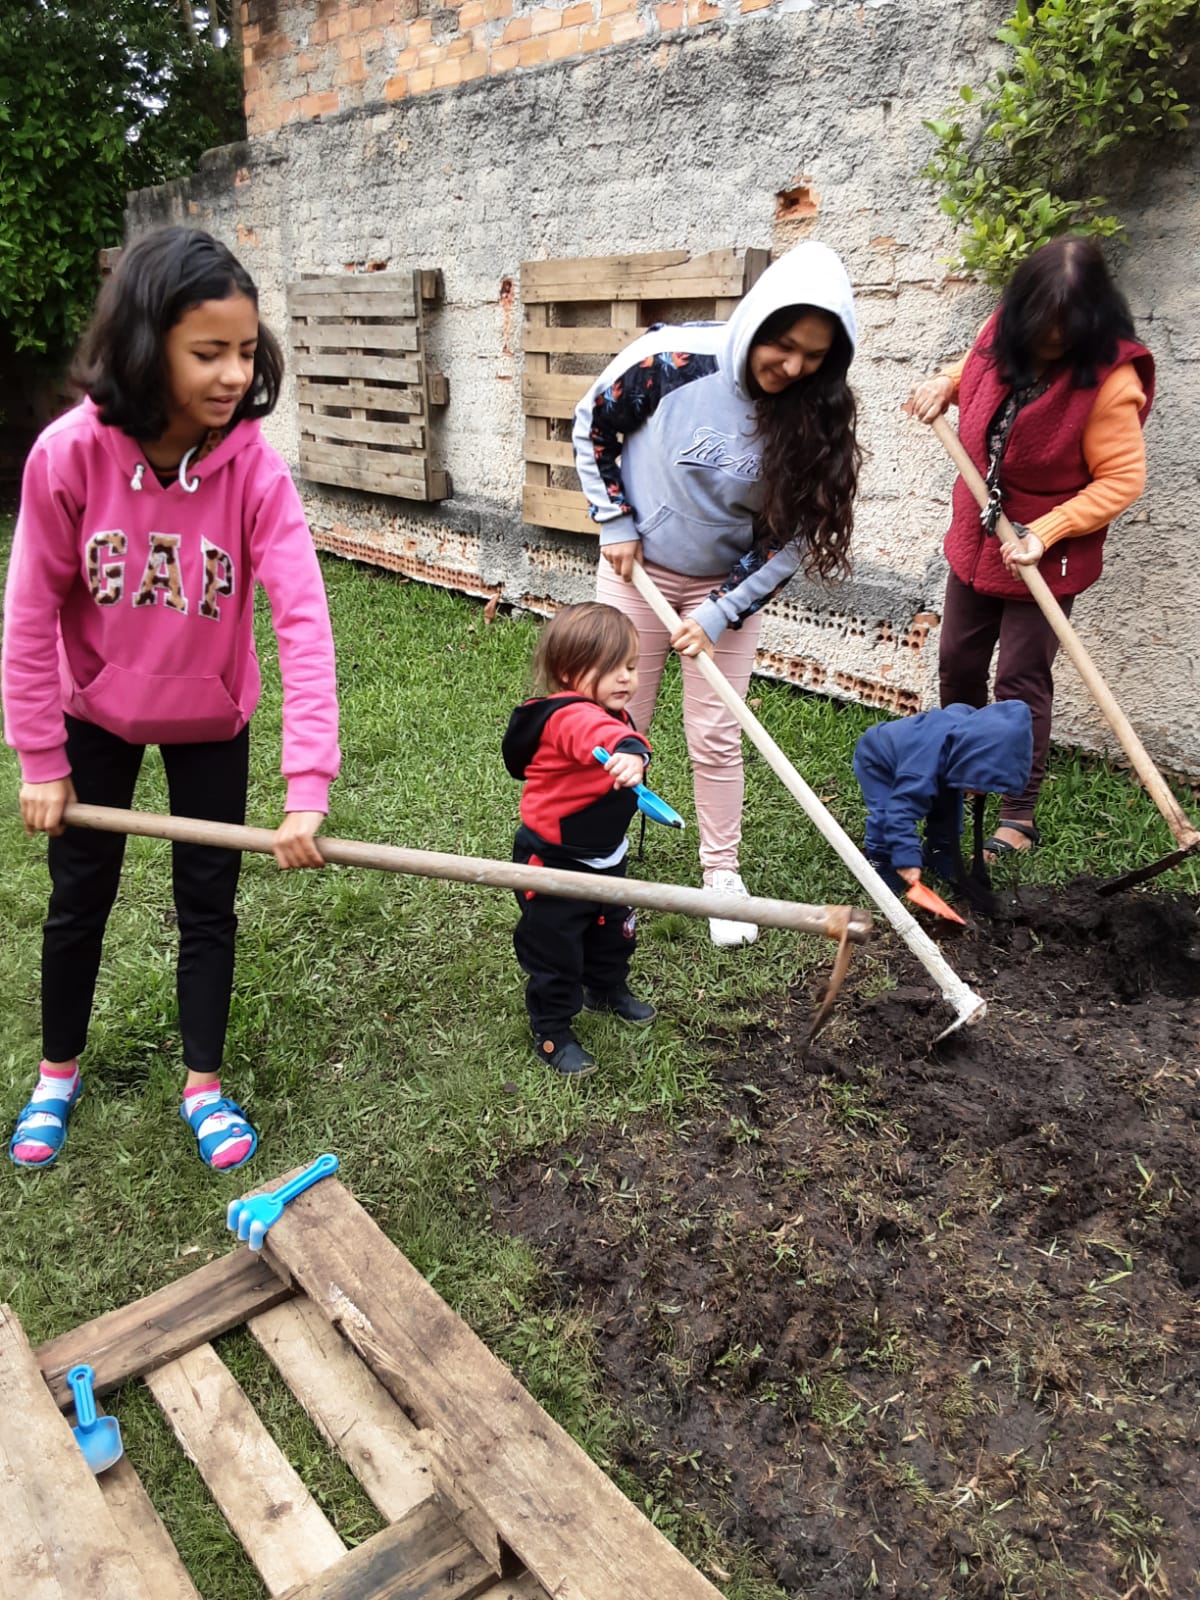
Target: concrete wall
x,y
745,124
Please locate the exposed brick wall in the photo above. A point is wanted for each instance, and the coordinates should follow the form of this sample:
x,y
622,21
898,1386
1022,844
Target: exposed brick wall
x,y
311,58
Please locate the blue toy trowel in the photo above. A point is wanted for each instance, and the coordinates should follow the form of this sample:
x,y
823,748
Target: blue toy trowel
x,y
251,1217
650,804
99,1437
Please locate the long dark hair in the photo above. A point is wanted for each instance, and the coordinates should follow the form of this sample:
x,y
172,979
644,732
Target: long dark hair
x,y
121,362
810,453
1064,285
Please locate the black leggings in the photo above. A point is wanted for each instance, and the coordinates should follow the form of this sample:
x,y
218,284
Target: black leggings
x,y
204,780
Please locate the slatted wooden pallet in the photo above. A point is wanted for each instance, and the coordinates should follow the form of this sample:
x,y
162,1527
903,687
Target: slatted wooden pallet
x,y
564,304
486,1498
358,351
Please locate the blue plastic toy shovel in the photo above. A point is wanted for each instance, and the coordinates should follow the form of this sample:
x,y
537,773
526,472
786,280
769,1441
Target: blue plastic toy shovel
x,y
650,804
99,1437
250,1217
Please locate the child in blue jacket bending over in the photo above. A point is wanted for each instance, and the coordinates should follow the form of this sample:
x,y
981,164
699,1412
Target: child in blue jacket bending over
x,y
918,767
574,815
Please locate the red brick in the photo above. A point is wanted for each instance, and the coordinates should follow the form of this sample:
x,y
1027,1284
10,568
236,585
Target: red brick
x,y
533,52
420,31
576,16
339,25
474,66
546,19
446,74
251,34
471,15
596,38
317,105
494,10
360,18
669,17
396,88
755,5
627,27
351,72
612,8
348,48
563,44
406,59
420,80
504,57
516,30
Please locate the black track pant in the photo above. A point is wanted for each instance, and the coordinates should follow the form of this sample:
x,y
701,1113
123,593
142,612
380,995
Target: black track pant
x,y
204,780
563,944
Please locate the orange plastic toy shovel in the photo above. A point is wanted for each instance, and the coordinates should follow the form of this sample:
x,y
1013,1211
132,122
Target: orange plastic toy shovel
x,y
922,895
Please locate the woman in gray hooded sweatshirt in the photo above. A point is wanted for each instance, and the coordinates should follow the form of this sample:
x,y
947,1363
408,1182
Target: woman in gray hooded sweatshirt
x,y
723,456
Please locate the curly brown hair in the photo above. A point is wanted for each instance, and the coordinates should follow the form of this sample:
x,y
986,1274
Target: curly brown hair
x,y
580,641
810,453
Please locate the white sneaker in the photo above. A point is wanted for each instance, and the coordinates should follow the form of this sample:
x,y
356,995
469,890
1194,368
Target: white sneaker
x,y
720,930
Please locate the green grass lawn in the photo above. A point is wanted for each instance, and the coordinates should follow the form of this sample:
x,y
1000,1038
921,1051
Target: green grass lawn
x,y
381,1017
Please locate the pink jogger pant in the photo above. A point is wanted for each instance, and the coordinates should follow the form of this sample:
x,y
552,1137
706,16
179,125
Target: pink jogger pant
x,y
714,739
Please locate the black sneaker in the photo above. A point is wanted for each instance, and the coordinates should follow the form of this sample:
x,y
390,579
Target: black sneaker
x,y
621,1003
565,1054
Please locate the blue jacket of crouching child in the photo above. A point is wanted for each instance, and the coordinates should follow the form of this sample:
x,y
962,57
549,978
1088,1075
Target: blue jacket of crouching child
x,y
918,767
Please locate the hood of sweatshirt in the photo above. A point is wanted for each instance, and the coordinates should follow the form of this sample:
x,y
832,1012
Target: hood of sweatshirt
x,y
810,274
990,749
128,456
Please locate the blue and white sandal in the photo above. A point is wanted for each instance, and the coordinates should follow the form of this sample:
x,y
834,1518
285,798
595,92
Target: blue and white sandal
x,y
231,1124
43,1122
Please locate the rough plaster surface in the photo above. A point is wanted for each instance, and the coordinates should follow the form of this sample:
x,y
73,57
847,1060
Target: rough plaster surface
x,y
686,144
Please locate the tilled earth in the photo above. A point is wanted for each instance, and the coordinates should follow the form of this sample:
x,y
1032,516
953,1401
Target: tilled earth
x,y
913,1321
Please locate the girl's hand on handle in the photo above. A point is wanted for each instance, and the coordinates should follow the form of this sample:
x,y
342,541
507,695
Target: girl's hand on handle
x,y
625,769
621,557
690,639
1026,554
43,804
295,840
929,399
910,875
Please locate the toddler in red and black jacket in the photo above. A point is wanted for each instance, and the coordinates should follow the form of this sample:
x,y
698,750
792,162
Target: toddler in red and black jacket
x,y
574,815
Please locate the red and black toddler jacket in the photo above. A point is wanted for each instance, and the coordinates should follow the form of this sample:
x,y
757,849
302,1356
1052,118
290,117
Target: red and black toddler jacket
x,y
569,801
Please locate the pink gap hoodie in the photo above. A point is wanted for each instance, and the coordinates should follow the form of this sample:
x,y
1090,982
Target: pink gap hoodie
x,y
131,606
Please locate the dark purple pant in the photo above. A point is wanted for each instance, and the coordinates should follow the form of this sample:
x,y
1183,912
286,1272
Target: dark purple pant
x,y
972,624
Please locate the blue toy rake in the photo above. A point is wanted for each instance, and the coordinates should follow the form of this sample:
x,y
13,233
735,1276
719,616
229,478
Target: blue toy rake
x,y
649,804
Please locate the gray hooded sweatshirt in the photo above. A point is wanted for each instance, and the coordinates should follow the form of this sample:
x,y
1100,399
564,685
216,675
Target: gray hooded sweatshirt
x,y
666,440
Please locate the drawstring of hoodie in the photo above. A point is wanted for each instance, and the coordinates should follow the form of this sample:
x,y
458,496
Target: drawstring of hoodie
x,y
197,453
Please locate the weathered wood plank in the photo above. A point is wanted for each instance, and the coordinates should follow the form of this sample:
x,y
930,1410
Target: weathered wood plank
x,y
405,400
348,1404
360,431
550,452
421,1557
345,335
140,1529
59,1538
376,369
546,1499
373,482
578,341
556,508
552,394
660,275
339,305
137,1338
392,465
280,1525
526,1587
360,290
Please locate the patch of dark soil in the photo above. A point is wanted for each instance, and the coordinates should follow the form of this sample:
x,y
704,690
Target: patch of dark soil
x,y
922,1322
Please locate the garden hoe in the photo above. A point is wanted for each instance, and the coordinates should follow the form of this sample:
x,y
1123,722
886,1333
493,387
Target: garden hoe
x,y
1187,838
968,1007
846,924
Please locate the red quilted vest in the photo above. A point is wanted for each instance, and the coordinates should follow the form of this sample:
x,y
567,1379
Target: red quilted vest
x,y
1043,465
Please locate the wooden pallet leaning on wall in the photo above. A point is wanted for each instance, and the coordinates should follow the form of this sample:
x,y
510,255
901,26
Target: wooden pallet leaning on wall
x,y
364,390
578,315
483,1495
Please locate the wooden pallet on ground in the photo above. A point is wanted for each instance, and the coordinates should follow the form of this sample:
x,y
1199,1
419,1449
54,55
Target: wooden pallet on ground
x,y
485,1497
365,392
578,315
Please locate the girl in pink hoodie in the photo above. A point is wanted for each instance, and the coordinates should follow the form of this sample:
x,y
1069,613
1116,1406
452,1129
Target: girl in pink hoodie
x,y
148,512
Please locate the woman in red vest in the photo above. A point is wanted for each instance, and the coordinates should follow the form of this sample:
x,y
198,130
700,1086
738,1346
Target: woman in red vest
x,y
1052,399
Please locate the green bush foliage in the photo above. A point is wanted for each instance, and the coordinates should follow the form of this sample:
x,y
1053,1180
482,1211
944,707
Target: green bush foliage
x,y
95,99
1087,78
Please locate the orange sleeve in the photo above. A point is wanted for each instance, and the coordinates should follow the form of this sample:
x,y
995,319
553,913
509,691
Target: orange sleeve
x,y
1115,453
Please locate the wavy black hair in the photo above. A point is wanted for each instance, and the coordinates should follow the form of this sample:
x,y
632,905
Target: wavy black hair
x,y
121,362
810,453
1065,286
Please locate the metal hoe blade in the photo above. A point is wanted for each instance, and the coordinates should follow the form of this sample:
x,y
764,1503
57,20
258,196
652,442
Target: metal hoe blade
x,y
837,976
1143,874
